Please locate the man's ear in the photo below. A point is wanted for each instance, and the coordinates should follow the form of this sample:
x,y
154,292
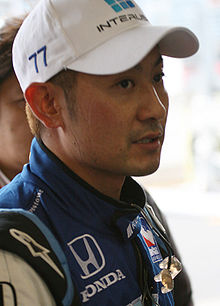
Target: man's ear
x,y
43,100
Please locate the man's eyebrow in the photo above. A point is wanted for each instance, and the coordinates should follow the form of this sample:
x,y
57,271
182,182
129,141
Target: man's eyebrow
x,y
138,67
159,61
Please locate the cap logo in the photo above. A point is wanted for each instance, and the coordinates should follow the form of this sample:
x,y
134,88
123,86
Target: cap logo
x,y
120,5
34,56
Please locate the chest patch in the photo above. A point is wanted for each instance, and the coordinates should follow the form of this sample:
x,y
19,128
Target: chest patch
x,y
150,242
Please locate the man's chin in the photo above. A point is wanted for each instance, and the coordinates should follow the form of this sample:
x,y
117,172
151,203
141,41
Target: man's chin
x,y
147,171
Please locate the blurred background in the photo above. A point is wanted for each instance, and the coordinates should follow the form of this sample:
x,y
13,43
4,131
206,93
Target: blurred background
x,y
187,185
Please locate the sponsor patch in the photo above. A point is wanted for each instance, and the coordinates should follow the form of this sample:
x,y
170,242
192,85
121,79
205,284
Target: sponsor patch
x,y
150,242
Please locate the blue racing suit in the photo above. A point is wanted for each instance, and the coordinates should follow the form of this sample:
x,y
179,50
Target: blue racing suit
x,y
112,251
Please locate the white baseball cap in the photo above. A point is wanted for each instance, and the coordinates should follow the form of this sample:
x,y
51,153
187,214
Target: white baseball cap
x,y
91,36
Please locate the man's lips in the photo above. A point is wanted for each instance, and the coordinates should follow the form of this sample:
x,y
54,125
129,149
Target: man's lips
x,y
149,138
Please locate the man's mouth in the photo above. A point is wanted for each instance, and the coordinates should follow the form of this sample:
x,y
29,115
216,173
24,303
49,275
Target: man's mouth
x,y
147,140
150,138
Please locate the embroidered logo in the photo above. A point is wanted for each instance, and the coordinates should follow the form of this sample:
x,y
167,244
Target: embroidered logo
x,y
35,248
35,56
102,284
90,258
120,5
36,201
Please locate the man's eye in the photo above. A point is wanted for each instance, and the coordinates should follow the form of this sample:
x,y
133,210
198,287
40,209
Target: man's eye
x,y
159,77
126,84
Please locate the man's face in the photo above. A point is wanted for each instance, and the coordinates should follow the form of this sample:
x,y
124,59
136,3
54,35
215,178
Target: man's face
x,y
118,123
15,134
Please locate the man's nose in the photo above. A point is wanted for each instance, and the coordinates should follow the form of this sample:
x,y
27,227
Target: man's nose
x,y
151,105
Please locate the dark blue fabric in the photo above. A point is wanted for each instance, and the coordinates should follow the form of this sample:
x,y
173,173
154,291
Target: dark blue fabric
x,y
92,229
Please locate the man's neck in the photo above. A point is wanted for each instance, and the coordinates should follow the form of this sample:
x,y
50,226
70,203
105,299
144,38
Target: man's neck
x,y
4,180
9,172
108,184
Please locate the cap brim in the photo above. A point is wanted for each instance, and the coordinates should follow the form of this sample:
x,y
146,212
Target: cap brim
x,y
128,48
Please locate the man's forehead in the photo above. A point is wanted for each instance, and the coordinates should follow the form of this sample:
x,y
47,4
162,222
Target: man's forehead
x,y
158,61
152,60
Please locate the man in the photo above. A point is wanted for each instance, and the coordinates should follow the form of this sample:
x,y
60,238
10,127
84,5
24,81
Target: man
x,y
16,143
92,72
15,134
